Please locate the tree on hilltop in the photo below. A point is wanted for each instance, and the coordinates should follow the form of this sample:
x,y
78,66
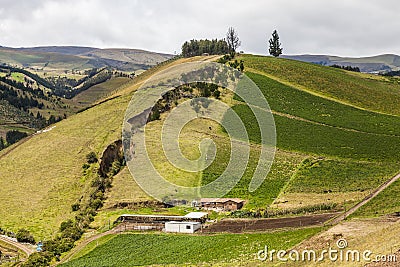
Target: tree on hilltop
x,y
274,45
232,39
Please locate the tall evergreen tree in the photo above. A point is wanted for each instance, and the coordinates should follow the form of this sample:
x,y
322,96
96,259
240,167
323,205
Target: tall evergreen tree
x,y
232,39
274,45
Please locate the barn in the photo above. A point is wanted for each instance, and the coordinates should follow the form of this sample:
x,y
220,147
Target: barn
x,y
222,204
159,222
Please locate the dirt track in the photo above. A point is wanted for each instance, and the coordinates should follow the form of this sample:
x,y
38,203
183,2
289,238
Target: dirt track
x,y
344,215
28,251
245,225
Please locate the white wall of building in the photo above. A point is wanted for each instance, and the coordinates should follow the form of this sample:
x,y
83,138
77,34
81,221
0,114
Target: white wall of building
x,y
182,227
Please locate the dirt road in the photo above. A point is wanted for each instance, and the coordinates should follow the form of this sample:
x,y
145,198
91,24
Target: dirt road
x,y
346,214
27,250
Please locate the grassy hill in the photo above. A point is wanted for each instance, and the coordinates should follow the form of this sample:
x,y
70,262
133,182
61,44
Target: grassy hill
x,y
42,177
364,91
337,138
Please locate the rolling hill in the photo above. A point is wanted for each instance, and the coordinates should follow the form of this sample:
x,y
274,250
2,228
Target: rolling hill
x,y
50,58
337,140
373,64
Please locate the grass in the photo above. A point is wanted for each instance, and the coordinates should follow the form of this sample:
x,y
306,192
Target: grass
x,y
338,175
41,178
290,100
307,137
61,152
284,166
18,77
175,249
386,202
357,90
100,91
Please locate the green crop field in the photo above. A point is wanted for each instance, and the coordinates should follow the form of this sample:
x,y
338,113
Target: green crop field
x,y
290,100
360,90
147,249
321,175
304,136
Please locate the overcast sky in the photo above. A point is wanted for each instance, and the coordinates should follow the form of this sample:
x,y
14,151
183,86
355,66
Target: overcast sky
x,y
335,27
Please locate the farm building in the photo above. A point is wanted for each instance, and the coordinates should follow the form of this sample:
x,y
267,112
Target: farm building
x,y
222,204
182,227
157,222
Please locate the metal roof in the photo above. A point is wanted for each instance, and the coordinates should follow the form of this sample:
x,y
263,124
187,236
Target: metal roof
x,y
174,222
220,200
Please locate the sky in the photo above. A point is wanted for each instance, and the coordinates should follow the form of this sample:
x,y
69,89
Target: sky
x,y
334,27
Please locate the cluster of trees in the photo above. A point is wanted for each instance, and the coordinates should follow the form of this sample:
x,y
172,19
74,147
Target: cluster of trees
x,y
199,47
12,137
212,47
24,236
226,46
122,74
349,68
20,100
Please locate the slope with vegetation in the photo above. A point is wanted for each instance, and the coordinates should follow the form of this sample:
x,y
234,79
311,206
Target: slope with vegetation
x,y
337,138
183,250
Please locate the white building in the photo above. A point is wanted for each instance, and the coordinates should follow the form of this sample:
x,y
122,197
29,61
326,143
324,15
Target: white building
x,y
182,227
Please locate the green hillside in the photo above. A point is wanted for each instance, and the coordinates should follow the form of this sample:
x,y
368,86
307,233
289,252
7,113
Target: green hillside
x,y
337,139
361,90
42,177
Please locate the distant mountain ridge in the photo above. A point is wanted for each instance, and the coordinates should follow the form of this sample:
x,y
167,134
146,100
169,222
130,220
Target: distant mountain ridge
x,y
76,57
373,64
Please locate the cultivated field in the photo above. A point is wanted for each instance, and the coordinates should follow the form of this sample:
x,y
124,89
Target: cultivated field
x,y
231,249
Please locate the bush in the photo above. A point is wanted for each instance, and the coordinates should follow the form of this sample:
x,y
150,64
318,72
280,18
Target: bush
x,y
75,207
66,224
72,232
85,166
25,236
96,204
38,259
91,158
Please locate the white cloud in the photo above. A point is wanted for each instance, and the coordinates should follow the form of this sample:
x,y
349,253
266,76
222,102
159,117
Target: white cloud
x,y
341,27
